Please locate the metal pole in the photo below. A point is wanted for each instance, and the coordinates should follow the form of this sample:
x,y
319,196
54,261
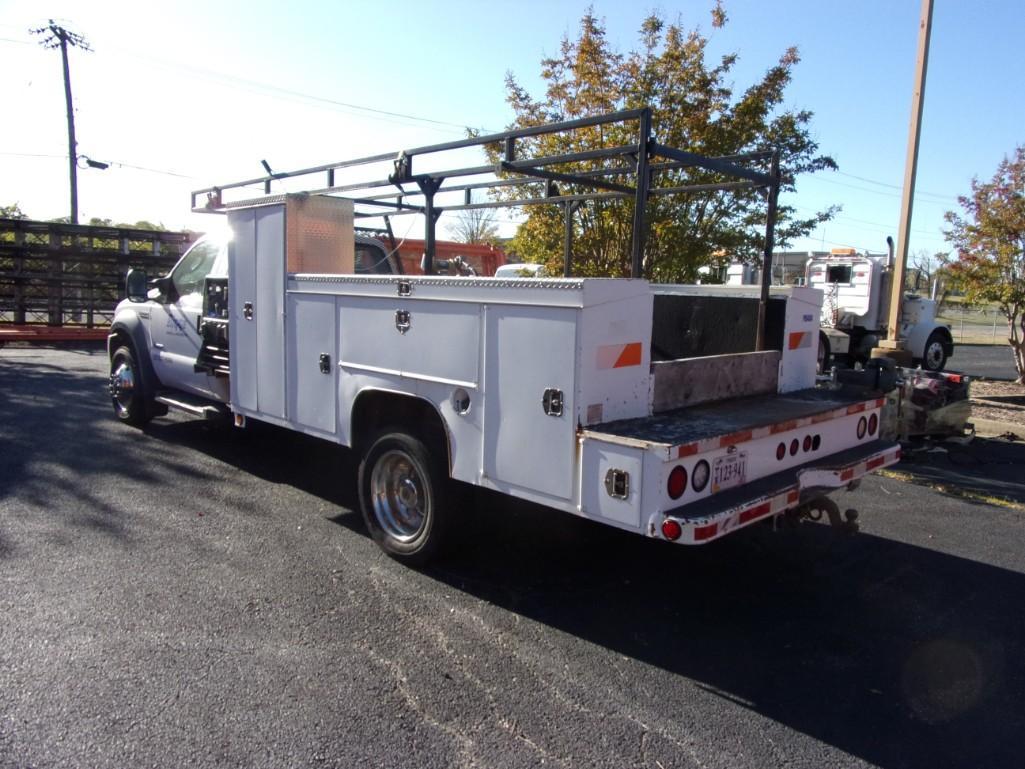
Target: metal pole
x,y
770,244
910,171
567,247
428,186
641,199
72,144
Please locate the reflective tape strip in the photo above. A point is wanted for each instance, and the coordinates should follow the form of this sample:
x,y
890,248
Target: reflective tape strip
x,y
699,531
619,355
799,340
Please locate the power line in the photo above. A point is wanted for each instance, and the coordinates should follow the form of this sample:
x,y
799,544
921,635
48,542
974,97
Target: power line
x,y
918,195
895,186
117,163
886,227
288,92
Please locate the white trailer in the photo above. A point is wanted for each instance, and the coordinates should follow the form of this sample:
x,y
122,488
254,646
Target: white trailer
x,y
611,399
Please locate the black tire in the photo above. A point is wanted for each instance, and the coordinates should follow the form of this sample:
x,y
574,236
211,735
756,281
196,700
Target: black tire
x,y
128,392
404,495
934,356
824,358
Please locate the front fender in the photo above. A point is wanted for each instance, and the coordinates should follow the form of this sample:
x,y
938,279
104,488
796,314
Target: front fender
x,y
131,323
919,335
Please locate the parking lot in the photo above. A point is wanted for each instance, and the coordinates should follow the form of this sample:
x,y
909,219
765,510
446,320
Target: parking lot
x,y
193,595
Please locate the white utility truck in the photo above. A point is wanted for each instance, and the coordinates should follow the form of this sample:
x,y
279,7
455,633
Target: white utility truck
x,y
855,308
645,407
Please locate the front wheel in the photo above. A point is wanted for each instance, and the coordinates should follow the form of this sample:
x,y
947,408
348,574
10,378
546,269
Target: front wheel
x,y
935,356
403,494
127,391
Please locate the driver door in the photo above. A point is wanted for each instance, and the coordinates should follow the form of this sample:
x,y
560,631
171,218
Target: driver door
x,y
175,320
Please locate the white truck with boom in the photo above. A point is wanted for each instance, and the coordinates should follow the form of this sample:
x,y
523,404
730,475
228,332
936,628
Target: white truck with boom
x,y
677,412
855,308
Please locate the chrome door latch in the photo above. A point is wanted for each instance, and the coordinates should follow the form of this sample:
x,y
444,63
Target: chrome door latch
x,y
402,321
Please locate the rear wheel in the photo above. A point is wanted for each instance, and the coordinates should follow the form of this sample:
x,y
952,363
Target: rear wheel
x,y
404,497
823,354
935,356
128,393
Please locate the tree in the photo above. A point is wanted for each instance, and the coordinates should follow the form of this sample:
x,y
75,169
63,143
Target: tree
x,y
989,237
476,225
694,108
924,268
12,211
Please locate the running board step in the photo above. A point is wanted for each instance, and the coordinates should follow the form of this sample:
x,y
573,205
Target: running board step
x,y
197,407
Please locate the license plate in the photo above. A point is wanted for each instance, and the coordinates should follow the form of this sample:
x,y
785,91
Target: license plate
x,y
729,471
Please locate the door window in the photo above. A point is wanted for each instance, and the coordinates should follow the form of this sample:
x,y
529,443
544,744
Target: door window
x,y
189,274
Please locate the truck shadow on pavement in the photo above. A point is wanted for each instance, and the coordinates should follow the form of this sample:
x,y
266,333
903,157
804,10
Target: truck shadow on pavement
x,y
900,655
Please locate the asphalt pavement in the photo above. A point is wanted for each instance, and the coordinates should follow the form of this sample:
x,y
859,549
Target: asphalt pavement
x,y
192,595
983,360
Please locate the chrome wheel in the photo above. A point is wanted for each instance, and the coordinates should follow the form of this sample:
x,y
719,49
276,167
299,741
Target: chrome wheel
x,y
129,391
935,356
399,495
122,388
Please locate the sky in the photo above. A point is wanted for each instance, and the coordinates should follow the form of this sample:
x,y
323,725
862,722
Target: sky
x,y
184,95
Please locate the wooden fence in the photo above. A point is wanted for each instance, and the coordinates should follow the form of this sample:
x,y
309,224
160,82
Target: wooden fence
x,y
73,275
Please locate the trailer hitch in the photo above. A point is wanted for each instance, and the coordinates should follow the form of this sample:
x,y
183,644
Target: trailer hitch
x,y
846,522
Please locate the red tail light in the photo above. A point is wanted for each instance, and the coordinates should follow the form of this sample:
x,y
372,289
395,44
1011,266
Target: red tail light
x,y
781,451
862,424
677,482
873,423
807,443
671,529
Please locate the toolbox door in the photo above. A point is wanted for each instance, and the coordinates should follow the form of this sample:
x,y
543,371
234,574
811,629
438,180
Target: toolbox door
x,y
529,420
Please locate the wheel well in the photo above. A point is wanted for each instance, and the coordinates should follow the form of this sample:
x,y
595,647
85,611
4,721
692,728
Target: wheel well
x,y
118,338
948,340
377,409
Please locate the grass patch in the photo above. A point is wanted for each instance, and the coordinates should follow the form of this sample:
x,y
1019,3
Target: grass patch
x,y
953,491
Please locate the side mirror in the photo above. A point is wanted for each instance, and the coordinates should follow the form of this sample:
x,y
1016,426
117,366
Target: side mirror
x,y
136,285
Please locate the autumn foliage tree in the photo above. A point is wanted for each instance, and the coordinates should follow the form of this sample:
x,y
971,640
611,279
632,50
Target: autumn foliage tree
x,y
989,238
694,107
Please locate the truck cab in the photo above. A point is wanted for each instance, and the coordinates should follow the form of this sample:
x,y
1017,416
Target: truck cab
x,y
856,294
172,336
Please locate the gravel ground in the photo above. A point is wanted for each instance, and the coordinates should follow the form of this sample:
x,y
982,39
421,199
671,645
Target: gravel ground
x,y
998,401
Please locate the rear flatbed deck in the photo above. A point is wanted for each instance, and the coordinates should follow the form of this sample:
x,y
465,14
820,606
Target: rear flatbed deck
x,y
710,420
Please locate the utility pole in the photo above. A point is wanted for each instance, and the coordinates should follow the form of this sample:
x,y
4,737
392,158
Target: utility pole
x,y
55,36
892,346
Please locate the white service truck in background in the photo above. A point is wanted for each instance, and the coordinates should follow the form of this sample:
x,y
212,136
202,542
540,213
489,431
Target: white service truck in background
x,y
644,407
855,307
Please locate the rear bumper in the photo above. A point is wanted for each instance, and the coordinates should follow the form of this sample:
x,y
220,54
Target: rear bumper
x,y
722,514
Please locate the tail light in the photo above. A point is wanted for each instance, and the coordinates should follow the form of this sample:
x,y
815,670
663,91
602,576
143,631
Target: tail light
x,y
677,482
671,529
862,425
807,443
794,446
873,423
699,478
781,451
